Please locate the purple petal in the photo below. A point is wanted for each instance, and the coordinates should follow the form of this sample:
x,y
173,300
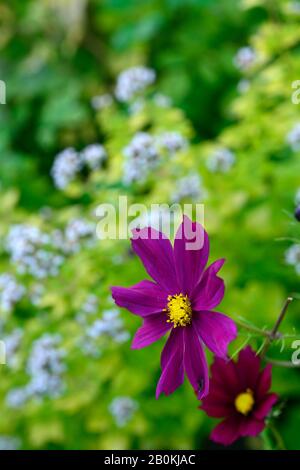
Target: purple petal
x,y
210,290
153,328
156,253
195,364
248,366
216,330
264,381
191,250
265,406
251,427
144,298
216,404
172,364
224,377
227,431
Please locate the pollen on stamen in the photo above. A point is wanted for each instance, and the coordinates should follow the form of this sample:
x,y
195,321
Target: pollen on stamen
x,y
179,310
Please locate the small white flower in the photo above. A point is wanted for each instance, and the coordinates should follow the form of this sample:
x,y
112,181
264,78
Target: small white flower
x,y
65,167
221,160
140,157
93,156
122,409
77,232
173,142
189,187
12,344
11,292
133,81
31,250
292,257
243,86
102,101
245,58
293,138
162,101
9,443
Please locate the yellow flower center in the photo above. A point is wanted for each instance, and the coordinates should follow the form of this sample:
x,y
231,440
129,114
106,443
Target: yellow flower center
x,y
179,310
244,402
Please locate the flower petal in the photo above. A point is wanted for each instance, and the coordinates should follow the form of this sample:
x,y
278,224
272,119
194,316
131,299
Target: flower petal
x,y
216,330
172,375
216,404
191,250
210,290
224,376
153,328
247,367
195,364
264,381
156,253
144,298
264,407
251,427
227,431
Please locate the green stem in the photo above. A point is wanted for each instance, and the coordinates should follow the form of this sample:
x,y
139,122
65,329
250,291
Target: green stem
x,y
277,437
273,334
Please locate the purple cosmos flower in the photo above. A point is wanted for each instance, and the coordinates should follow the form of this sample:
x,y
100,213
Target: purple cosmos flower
x,y
180,300
239,393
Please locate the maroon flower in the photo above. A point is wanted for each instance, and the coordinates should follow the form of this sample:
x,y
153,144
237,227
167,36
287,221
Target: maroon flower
x,y
180,299
239,392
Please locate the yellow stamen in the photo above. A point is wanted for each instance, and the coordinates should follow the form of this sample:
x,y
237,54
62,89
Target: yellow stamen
x,y
179,310
244,402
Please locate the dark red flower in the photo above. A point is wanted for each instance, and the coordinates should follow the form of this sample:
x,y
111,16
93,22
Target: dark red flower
x,y
239,393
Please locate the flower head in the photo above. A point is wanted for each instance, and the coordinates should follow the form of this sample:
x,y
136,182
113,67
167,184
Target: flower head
x,y
239,393
179,300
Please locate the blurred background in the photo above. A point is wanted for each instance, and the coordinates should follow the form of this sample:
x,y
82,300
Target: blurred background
x,y
162,101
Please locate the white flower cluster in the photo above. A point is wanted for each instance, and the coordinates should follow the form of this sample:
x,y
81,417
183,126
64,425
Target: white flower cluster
x,y
294,7
45,367
11,292
101,101
93,156
293,138
111,325
173,142
245,58
12,344
162,101
221,160
69,162
9,443
141,156
30,250
78,231
292,257
189,187
65,167
122,409
88,308
133,81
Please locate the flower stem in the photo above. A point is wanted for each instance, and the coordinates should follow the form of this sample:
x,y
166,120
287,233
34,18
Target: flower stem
x,y
274,331
277,437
